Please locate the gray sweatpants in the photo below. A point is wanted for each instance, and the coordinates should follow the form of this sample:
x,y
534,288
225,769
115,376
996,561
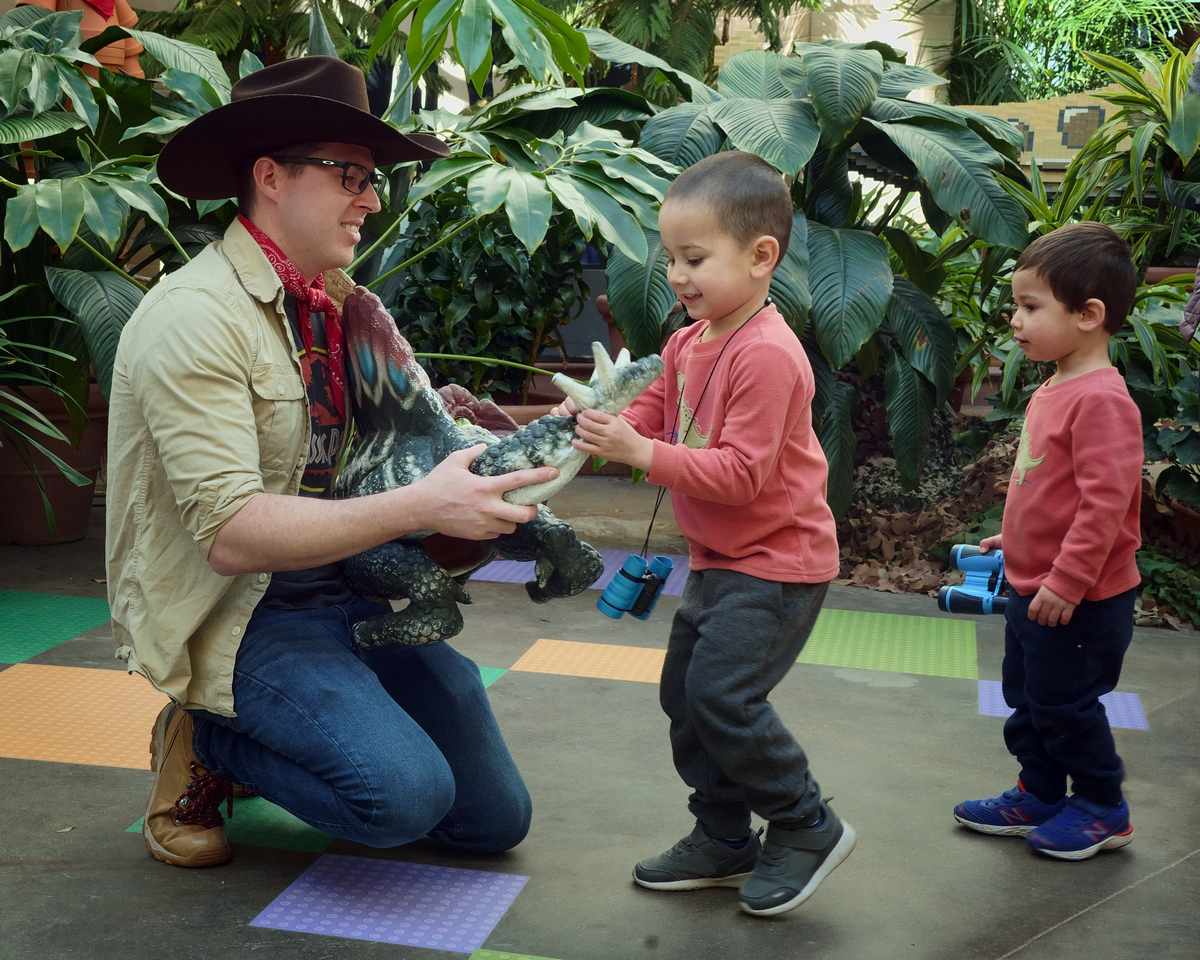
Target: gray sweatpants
x,y
733,639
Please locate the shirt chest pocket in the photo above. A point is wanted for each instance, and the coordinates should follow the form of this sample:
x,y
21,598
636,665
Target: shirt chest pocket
x,y
280,416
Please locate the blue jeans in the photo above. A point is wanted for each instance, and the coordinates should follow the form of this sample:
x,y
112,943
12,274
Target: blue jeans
x,y
1054,678
379,746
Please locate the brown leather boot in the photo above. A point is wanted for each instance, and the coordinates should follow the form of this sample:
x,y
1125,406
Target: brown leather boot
x,y
183,821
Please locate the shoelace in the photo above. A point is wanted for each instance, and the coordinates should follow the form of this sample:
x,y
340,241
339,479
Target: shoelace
x,y
200,804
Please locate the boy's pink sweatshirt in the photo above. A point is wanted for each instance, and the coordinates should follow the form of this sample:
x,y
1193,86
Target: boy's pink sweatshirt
x,y
1072,519
748,486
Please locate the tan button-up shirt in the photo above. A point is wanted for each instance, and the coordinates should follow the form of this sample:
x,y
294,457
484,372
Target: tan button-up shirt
x,y
208,409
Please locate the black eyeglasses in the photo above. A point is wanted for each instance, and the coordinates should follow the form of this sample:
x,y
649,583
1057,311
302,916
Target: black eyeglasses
x,y
355,177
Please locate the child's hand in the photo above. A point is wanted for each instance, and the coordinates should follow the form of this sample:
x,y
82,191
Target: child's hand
x,y
611,438
565,409
988,543
1049,609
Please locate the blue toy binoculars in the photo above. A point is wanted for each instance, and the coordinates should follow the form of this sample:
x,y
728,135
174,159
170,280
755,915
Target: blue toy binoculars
x,y
635,588
985,589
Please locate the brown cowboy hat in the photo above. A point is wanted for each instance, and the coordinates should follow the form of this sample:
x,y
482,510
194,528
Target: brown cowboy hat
x,y
307,99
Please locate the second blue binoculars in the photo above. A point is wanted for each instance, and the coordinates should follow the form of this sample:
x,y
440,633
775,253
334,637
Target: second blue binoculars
x,y
985,588
635,588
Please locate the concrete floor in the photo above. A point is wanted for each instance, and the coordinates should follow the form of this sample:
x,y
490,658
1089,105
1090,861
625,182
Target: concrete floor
x,y
896,752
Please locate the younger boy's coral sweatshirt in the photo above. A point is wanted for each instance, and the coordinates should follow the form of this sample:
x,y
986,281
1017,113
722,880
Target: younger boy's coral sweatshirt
x,y
1072,520
748,479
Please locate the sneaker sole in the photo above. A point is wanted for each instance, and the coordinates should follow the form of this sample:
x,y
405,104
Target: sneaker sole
x,y
699,883
843,849
1007,830
1113,842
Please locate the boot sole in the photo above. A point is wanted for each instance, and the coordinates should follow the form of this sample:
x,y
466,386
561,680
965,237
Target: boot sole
x,y
734,880
843,849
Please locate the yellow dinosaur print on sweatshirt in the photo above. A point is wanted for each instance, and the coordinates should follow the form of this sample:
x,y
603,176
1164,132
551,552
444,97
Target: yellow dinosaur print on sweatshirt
x,y
1025,460
689,432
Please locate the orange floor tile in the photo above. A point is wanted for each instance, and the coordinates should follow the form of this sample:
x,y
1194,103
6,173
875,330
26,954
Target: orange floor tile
x,y
77,715
604,661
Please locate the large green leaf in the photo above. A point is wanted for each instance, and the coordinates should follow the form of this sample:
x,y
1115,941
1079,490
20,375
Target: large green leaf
x,y
836,433
607,47
16,70
104,212
683,135
783,132
21,218
924,335
843,82
102,303
789,285
473,40
617,225
910,407
444,171
639,296
186,57
60,206
320,43
950,161
919,264
753,75
529,45
489,188
75,83
529,205
141,196
903,79
18,129
1183,136
851,282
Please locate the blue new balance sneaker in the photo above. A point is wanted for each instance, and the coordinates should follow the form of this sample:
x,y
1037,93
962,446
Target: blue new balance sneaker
x,y
1012,814
1082,829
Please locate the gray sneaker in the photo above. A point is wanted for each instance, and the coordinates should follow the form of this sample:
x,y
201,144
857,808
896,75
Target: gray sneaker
x,y
794,862
698,861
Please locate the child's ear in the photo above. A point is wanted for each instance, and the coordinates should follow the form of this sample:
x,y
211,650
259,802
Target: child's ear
x,y
766,256
1092,316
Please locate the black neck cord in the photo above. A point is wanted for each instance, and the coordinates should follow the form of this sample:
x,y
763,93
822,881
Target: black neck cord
x,y
662,491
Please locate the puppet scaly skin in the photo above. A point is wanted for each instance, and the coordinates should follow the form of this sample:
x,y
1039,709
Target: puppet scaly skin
x,y
404,430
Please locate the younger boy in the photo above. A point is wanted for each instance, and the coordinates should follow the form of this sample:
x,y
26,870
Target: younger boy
x,y
728,429
1071,529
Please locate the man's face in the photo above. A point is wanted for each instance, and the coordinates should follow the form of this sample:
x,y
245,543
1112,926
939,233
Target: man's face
x,y
320,219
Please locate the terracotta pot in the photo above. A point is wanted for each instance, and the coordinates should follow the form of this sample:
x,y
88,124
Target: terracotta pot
x,y
23,517
1159,274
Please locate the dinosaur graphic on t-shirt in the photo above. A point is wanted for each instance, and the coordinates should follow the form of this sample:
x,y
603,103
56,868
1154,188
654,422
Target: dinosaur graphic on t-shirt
x,y
1025,461
688,428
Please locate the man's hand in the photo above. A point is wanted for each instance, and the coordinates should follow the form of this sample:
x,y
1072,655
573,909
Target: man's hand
x,y
461,504
988,543
611,438
1049,609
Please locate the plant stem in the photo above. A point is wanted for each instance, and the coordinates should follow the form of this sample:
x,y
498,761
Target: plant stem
x,y
429,249
176,245
358,261
112,266
488,360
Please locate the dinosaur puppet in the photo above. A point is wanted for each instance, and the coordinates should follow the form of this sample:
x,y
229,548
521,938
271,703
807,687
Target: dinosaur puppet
x,y
403,429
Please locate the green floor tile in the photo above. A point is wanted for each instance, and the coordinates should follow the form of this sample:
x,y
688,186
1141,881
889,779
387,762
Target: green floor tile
x,y
259,823
504,955
932,646
491,674
31,623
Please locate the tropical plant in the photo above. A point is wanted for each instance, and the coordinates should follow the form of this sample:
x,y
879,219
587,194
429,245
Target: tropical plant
x,y
1014,50
836,286
486,294
271,30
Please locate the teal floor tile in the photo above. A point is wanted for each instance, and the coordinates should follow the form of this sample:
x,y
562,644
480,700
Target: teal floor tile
x,y
491,674
32,623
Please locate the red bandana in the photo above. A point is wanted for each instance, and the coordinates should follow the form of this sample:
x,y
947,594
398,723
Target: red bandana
x,y
103,7
309,298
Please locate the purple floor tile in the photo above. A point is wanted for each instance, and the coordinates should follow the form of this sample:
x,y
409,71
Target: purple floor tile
x,y
1123,709
446,908
514,571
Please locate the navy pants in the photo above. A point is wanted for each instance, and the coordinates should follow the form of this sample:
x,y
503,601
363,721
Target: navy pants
x,y
1054,677
733,639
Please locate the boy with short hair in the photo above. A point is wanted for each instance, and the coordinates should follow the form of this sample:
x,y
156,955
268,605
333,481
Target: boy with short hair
x,y
728,429
1071,529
